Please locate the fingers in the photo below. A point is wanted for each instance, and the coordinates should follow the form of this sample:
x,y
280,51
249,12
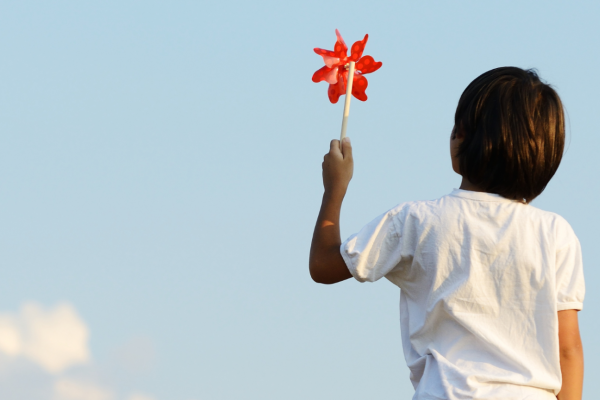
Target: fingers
x,y
345,150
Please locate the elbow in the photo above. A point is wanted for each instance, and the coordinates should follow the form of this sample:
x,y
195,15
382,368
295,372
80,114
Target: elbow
x,y
318,273
328,268
571,351
318,279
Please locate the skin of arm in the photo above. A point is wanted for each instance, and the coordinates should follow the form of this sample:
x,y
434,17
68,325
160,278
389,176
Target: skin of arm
x,y
326,264
571,356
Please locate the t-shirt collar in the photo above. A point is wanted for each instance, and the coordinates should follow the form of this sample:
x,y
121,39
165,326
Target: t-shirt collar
x,y
480,196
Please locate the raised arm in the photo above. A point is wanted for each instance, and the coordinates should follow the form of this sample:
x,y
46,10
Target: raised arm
x,y
571,356
325,262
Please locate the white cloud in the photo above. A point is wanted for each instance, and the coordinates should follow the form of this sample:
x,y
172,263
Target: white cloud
x,y
55,339
10,338
44,355
70,389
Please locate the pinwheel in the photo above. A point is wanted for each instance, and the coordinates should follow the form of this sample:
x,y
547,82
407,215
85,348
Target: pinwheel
x,y
345,73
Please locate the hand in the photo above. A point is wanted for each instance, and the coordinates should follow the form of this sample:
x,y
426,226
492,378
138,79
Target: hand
x,y
338,167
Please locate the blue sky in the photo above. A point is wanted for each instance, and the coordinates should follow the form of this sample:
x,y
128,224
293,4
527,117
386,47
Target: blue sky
x,y
160,168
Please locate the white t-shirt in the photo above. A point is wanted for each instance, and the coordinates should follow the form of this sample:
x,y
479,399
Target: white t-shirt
x,y
482,278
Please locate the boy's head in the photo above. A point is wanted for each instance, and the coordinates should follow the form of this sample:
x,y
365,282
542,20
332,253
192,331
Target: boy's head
x,y
512,133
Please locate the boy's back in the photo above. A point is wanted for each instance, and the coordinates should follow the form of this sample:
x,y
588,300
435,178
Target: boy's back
x,y
482,279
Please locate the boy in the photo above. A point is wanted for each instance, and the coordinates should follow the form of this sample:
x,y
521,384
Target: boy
x,y
490,285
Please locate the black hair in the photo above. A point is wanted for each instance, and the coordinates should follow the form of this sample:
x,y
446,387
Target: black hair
x,y
513,127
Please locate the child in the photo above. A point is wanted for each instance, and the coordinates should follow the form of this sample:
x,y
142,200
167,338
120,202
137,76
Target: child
x,y
490,285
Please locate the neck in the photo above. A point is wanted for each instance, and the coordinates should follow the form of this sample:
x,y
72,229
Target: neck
x,y
466,185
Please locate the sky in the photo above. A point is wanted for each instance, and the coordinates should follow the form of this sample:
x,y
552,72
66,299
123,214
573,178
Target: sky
x,y
160,179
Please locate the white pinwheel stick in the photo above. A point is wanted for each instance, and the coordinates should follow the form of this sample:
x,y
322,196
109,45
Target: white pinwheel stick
x,y
347,102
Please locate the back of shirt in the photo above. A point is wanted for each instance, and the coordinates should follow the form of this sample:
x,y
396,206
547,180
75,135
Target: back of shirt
x,y
482,278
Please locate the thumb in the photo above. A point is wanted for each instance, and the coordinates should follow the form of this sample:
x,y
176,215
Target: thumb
x,y
334,146
346,148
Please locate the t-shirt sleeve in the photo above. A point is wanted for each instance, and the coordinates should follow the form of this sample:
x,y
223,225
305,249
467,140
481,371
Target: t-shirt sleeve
x,y
570,285
375,251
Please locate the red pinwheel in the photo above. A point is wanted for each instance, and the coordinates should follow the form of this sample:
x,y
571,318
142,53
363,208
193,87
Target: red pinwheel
x,y
335,71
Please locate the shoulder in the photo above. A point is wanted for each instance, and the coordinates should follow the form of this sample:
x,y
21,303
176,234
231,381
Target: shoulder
x,y
553,223
420,210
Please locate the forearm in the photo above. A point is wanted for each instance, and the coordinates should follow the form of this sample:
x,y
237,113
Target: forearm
x,y
327,229
326,263
571,365
571,355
